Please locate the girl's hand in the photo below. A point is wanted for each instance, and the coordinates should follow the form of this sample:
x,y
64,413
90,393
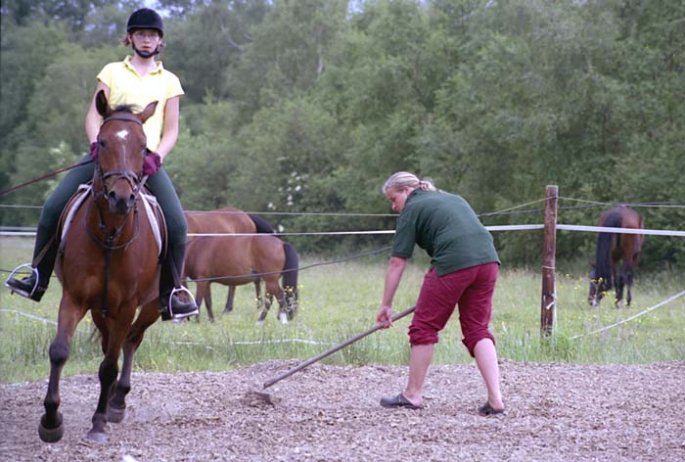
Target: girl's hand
x,y
152,163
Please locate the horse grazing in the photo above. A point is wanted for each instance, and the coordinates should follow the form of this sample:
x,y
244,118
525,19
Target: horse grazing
x,y
611,249
228,220
108,265
240,259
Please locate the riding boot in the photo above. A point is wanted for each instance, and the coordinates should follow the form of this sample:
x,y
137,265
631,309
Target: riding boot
x,y
176,301
35,284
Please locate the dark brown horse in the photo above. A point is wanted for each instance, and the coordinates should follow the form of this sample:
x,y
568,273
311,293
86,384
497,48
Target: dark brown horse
x,y
229,220
108,266
234,260
617,255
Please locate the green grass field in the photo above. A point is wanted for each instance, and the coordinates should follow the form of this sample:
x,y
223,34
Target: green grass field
x,y
340,300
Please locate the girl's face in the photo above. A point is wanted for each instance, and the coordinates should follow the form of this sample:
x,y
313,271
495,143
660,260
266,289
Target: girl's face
x,y
397,198
146,40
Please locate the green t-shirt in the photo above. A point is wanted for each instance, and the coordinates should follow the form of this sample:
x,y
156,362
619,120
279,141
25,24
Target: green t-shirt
x,y
447,228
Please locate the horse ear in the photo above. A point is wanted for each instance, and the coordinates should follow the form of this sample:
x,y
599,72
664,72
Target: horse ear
x,y
101,103
148,111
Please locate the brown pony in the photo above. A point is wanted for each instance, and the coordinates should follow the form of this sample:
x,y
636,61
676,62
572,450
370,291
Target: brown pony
x,y
108,266
613,248
228,220
242,259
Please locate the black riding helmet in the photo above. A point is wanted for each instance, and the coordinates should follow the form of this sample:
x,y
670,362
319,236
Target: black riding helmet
x,y
145,18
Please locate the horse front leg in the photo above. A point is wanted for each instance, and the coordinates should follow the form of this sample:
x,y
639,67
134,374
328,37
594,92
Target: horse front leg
x,y
620,283
51,427
273,289
230,298
204,291
109,368
116,409
258,293
628,271
283,308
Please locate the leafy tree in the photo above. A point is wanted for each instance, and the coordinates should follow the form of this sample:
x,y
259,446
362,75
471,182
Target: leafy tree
x,y
207,45
288,52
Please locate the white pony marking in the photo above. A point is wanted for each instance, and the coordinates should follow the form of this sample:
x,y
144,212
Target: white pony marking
x,y
122,134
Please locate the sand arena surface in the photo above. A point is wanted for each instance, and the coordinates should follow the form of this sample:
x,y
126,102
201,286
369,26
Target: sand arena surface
x,y
554,412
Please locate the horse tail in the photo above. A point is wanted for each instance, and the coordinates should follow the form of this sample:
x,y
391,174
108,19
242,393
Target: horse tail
x,y
290,268
604,246
263,226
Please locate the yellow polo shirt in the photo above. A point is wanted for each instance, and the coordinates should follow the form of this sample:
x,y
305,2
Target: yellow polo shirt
x,y
126,86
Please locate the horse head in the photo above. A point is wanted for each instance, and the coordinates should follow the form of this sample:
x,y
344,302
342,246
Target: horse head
x,y
121,148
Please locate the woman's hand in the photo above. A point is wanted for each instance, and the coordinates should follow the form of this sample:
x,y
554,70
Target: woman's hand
x,y
384,316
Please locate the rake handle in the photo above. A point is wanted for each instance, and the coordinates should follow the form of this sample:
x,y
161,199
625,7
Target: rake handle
x,y
332,350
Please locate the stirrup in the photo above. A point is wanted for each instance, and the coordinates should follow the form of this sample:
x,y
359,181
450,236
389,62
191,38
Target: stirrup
x,y
21,292
170,310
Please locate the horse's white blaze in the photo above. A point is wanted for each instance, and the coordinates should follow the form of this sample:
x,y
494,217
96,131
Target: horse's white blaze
x,y
122,134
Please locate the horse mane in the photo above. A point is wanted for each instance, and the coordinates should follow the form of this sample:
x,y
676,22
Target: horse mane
x,y
263,226
124,108
292,263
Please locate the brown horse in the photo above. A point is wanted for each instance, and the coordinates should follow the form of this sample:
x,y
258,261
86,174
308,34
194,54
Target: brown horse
x,y
108,266
229,220
613,248
234,260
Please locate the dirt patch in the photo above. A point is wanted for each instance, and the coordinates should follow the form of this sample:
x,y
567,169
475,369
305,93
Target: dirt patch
x,y
554,412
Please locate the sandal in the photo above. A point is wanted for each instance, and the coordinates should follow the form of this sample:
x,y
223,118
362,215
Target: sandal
x,y
486,410
398,401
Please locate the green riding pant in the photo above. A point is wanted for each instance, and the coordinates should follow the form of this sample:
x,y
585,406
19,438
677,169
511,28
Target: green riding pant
x,y
160,186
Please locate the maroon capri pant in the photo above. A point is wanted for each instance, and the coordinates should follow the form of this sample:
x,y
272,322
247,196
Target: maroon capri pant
x,y
471,289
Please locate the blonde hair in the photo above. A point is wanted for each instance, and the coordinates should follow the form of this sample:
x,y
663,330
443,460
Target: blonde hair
x,y
401,180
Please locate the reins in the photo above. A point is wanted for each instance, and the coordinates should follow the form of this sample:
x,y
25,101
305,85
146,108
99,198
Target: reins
x,y
43,177
123,117
107,244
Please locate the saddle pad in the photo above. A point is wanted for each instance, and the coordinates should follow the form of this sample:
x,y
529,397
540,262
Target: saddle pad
x,y
149,204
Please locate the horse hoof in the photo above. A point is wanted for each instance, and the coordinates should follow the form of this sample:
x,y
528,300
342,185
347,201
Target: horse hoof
x,y
283,318
115,415
260,323
50,435
97,437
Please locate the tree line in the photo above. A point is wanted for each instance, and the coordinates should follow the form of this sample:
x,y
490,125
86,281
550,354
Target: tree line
x,y
305,107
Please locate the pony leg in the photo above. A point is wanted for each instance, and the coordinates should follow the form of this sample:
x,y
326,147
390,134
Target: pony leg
x,y
230,298
116,408
208,300
204,293
283,311
274,289
51,428
267,302
265,309
261,302
109,368
620,284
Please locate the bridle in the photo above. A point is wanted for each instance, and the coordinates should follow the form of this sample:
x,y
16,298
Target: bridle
x,y
135,181
111,235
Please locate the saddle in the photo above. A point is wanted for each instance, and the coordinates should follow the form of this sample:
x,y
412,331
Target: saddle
x,y
152,210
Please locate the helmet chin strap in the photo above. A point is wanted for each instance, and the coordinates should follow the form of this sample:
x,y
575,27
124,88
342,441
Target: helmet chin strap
x,y
145,54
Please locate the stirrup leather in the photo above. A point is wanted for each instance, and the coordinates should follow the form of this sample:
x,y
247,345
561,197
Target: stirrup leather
x,y
20,291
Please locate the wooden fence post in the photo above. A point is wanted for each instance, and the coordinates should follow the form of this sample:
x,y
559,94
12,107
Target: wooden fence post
x,y
549,292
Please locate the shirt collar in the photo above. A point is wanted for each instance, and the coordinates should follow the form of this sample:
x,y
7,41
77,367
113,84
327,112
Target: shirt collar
x,y
129,66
